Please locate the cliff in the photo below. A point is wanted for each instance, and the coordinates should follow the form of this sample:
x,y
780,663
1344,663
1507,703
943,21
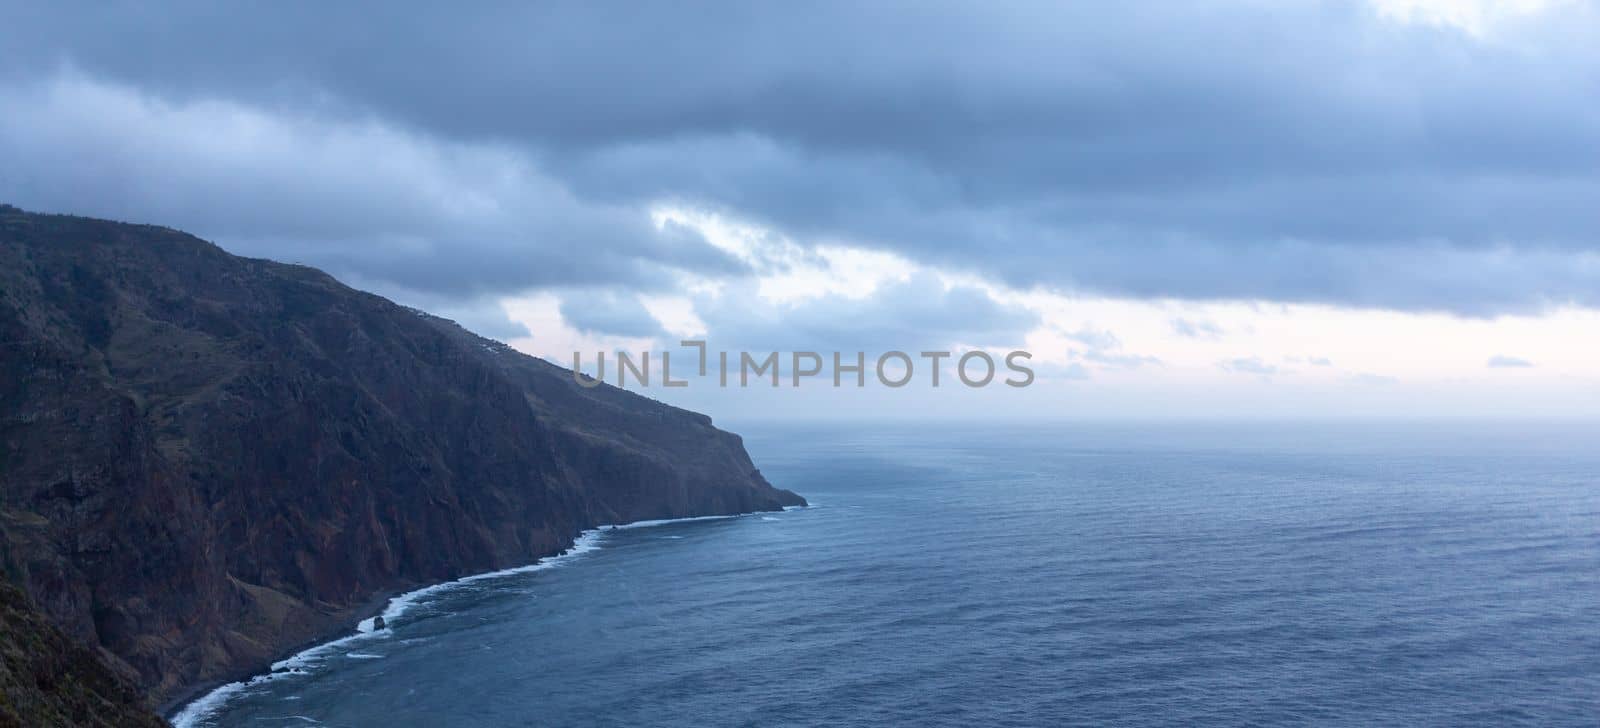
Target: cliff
x,y
208,459
49,679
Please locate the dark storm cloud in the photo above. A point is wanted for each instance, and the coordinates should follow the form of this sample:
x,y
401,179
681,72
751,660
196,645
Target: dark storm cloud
x,y
1296,151
359,198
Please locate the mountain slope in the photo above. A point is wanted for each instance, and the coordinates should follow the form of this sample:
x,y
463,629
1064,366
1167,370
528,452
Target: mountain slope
x,y
207,459
48,679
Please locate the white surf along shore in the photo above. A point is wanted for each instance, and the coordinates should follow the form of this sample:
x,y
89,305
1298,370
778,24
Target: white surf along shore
x,y
197,712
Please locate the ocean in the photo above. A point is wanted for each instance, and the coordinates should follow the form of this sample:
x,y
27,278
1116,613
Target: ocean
x,y
1442,573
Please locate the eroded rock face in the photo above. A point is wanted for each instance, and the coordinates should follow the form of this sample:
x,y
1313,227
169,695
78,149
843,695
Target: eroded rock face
x,y
206,459
50,679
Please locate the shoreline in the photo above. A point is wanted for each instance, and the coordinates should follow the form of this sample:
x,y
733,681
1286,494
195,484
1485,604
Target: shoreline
x,y
368,609
202,701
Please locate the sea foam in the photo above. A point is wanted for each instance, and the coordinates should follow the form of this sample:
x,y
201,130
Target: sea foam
x,y
198,712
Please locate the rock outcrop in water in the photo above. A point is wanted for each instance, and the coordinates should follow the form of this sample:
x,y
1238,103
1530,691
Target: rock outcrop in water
x,y
206,460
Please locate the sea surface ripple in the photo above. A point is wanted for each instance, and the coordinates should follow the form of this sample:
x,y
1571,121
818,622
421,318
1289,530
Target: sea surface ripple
x,y
1020,575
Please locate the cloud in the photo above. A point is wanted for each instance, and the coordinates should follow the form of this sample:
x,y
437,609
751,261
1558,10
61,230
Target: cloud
x,y
1508,362
1126,149
610,313
485,316
1094,339
363,199
1104,348
1474,16
1196,329
1120,361
1250,365
915,314
1070,371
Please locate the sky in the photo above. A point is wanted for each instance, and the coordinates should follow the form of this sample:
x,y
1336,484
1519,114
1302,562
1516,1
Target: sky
x,y
1237,208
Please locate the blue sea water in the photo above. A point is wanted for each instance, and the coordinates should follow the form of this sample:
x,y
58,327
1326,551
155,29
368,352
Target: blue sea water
x,y
1220,574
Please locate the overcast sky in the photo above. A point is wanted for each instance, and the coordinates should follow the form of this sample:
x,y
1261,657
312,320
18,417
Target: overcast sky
x,y
1196,209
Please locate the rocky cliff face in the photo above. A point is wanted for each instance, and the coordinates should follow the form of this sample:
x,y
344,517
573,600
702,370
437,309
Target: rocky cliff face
x,y
207,459
50,679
